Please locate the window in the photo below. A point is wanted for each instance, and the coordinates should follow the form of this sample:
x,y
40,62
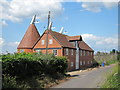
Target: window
x,y
88,62
71,51
50,41
55,52
72,64
84,52
91,53
80,62
21,50
42,42
80,52
66,51
37,50
84,62
91,62
88,53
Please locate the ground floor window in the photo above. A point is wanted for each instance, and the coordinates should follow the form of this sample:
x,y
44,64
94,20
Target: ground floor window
x,y
91,62
38,51
21,50
80,62
72,64
84,62
88,62
55,52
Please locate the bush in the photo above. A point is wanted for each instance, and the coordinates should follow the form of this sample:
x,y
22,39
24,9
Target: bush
x,y
28,65
9,82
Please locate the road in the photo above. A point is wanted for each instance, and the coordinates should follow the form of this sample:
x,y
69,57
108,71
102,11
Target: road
x,y
89,79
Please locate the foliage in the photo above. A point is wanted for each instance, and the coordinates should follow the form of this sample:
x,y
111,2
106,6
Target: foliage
x,y
106,58
9,82
23,66
112,79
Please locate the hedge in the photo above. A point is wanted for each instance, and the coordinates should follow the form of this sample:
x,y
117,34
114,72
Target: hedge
x,y
28,65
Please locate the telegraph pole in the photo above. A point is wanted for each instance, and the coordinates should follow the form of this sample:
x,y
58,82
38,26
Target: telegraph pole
x,y
47,33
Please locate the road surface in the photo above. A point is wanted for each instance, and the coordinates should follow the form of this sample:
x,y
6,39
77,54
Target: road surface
x,y
89,79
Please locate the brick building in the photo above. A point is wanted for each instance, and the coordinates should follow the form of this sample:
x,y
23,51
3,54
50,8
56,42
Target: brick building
x,y
79,54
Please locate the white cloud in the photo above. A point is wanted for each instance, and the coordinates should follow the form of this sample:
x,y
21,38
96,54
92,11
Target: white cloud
x,y
97,6
1,42
13,43
10,47
17,10
3,23
101,43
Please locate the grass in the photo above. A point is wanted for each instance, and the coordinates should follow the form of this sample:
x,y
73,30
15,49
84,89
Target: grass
x,y
112,78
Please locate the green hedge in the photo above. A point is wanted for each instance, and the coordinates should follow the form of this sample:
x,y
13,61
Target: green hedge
x,y
28,65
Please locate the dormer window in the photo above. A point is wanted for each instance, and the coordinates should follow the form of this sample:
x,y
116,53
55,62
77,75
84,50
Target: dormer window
x,y
50,41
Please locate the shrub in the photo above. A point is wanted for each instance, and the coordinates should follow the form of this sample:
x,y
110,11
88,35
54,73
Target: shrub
x,y
28,65
9,82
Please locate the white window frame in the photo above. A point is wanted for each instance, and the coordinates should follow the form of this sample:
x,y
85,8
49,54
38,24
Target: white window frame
x,y
56,52
50,41
80,52
84,62
91,62
72,51
88,53
84,52
42,42
88,62
38,51
80,62
67,51
72,64
21,50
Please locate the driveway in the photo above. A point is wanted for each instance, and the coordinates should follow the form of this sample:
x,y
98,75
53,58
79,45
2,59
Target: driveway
x,y
88,79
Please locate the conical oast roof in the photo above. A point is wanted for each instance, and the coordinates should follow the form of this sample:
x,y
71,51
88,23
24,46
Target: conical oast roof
x,y
30,38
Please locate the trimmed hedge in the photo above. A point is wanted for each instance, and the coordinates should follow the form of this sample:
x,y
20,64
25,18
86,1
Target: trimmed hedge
x,y
37,64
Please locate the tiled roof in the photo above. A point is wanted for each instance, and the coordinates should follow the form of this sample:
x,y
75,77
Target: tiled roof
x,y
74,38
84,46
30,38
62,39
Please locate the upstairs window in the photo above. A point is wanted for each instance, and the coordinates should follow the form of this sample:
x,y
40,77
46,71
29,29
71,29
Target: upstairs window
x,y
91,53
88,53
55,52
66,51
50,41
80,52
43,42
71,51
84,52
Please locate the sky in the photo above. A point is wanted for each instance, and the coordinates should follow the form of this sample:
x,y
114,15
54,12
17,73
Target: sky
x,y
96,22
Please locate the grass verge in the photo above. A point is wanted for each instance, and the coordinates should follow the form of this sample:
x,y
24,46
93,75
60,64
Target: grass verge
x,y
112,78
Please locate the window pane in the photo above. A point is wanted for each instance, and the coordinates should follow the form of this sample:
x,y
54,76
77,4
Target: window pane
x,y
50,41
55,52
42,42
71,51
66,51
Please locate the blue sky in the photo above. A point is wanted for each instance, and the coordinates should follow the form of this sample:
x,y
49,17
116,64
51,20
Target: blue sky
x,y
97,22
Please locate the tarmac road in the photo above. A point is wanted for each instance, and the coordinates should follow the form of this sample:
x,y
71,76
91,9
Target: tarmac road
x,y
89,79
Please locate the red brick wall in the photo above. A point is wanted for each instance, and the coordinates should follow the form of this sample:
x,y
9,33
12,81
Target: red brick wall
x,y
86,58
54,44
71,58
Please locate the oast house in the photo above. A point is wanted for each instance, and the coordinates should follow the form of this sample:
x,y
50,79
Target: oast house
x,y
79,54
